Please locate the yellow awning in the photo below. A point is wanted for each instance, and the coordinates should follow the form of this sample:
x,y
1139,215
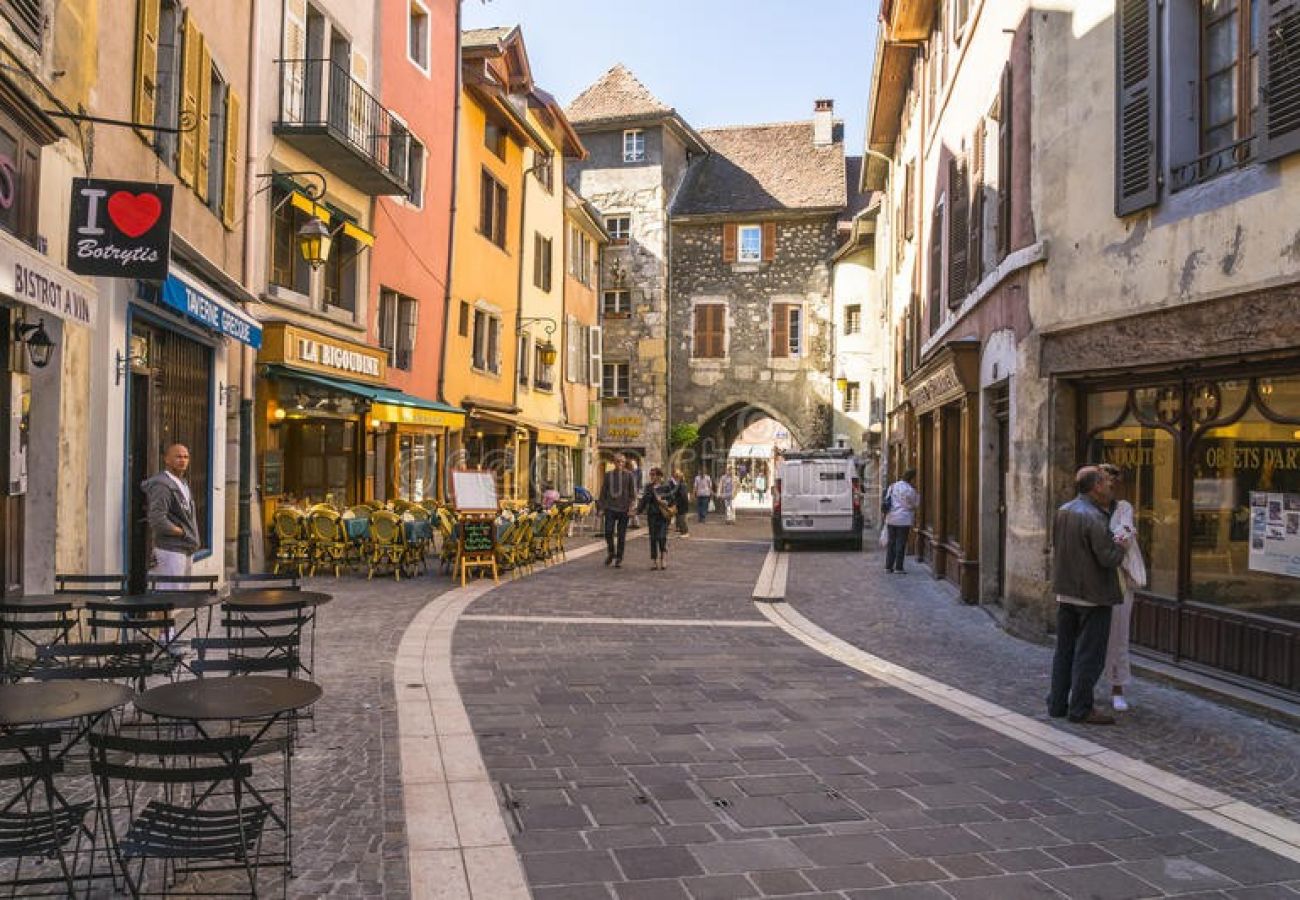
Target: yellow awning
x,y
359,234
558,438
309,206
412,415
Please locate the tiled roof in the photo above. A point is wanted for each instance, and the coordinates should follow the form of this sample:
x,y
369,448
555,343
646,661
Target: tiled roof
x,y
484,37
762,168
615,95
858,200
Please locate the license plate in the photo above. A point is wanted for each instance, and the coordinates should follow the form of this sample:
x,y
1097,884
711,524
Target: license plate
x,y
799,522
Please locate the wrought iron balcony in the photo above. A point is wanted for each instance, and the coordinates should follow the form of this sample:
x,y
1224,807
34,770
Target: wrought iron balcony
x,y
1212,164
327,114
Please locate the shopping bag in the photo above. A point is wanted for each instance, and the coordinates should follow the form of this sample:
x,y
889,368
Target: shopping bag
x,y
731,511
884,536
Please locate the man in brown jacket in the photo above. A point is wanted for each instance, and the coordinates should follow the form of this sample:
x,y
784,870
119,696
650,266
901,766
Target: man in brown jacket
x,y
1086,581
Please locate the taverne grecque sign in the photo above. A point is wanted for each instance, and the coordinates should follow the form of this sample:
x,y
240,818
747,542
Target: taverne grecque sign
x,y
120,229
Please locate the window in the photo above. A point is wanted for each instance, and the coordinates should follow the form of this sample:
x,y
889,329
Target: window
x,y
853,319
20,167
288,268
634,145
462,325
1229,78
544,171
542,262
487,342
853,397
215,161
960,10
710,330
1005,161
26,18
787,330
341,274
750,243
958,228
521,363
397,327
417,467
494,138
543,374
614,380
577,350
417,34
936,267
909,200
580,255
619,228
415,172
493,200
616,303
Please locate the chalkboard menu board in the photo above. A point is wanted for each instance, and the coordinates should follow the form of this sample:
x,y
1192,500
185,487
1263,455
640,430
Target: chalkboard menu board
x,y
478,536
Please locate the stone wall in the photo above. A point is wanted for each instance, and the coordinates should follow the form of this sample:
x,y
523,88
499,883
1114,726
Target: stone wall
x,y
797,392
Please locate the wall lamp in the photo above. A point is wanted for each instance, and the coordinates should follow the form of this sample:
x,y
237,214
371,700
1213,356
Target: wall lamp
x,y
123,364
314,237
40,347
546,351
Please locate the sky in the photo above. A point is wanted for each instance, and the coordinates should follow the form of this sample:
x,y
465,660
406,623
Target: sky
x,y
717,62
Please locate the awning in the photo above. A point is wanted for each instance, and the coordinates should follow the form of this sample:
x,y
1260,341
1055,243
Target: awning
x,y
203,307
359,234
309,206
387,404
749,451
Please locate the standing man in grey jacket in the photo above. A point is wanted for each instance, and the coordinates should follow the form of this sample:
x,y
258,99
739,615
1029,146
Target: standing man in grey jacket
x,y
171,517
1086,581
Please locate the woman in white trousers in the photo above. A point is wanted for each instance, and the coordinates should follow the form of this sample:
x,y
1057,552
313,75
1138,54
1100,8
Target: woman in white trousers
x,y
1132,575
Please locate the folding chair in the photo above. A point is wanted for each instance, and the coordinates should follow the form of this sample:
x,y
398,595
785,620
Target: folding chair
x,y
196,811
275,581
26,629
204,584
102,585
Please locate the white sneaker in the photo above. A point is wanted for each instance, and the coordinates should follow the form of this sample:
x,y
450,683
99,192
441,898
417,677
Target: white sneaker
x,y
1119,703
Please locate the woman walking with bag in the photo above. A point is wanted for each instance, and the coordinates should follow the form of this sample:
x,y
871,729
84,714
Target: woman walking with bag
x,y
658,502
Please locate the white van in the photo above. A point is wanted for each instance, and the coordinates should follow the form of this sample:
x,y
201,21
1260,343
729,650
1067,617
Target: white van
x,y
816,497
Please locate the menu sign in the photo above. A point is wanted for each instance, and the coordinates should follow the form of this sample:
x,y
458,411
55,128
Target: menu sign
x,y
1275,533
120,229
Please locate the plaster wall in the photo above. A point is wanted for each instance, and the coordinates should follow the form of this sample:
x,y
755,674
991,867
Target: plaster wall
x,y
862,357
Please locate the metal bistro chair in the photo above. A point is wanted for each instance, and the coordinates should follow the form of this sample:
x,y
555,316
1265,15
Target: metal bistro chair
x,y
329,543
37,822
103,585
287,581
171,584
27,630
197,811
387,543
292,549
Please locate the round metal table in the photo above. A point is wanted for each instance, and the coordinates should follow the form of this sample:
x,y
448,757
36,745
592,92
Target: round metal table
x,y
276,598
227,699
159,599
39,702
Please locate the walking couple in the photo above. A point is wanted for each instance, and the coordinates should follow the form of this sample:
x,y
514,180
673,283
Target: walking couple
x,y
660,502
1097,565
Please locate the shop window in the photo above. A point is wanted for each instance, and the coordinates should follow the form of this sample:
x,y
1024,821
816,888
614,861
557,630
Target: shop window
x,y
952,474
417,467
341,275
288,268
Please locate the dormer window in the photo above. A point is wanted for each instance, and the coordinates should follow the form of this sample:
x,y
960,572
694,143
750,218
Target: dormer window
x,y
634,145
750,243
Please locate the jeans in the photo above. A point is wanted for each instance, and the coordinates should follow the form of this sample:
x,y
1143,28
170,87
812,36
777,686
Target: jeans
x,y
658,536
1081,637
701,508
897,549
615,528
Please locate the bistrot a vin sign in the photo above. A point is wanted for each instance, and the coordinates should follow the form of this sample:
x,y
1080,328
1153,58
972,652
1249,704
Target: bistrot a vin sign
x,y
120,229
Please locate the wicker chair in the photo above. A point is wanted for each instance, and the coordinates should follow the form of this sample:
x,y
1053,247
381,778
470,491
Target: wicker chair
x,y
419,537
356,524
387,543
329,541
445,524
292,547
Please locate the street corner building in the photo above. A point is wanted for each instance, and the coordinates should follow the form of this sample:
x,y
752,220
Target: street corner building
x,y
1131,298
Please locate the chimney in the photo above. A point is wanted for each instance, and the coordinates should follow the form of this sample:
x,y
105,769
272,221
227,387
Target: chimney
x,y
823,123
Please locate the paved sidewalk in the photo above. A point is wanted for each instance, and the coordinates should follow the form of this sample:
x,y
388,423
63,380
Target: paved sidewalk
x,y
918,622
705,756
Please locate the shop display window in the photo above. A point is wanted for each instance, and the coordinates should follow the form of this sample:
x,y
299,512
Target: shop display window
x,y
417,467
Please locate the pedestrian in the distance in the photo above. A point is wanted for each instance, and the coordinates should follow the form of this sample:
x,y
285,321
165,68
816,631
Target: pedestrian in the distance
x,y
703,487
682,503
658,503
550,496
724,497
760,486
172,521
1086,582
1132,575
617,497
635,468
899,505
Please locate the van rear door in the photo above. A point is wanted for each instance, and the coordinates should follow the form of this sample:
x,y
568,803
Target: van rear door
x,y
817,495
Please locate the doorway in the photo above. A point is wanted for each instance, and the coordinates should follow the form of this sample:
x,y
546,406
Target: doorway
x,y
1000,406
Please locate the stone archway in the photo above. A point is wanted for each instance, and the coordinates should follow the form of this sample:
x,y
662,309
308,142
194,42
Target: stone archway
x,y
719,430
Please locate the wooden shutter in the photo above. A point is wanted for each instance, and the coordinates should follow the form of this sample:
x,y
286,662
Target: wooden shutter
x,y
958,222
780,330
975,246
936,267
205,120
702,321
145,99
1279,72
719,330
709,330
729,242
595,371
909,202
230,174
1137,105
187,164
1004,166
769,241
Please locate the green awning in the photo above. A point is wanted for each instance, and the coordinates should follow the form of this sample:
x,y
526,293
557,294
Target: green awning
x,y
383,399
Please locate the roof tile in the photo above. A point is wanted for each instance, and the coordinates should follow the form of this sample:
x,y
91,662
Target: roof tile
x,y
615,95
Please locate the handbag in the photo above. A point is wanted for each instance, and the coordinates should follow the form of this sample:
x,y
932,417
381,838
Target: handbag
x,y
887,502
884,536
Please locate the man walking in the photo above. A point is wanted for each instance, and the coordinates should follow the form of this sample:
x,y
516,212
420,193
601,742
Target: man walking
x,y
1086,581
171,517
617,497
703,487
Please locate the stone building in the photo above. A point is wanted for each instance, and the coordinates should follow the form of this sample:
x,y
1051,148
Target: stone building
x,y
639,151
1162,330
753,231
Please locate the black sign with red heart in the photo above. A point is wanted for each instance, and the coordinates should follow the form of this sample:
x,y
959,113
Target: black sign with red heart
x,y
120,229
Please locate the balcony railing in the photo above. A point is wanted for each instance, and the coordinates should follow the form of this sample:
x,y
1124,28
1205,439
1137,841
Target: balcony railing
x,y
327,114
1211,165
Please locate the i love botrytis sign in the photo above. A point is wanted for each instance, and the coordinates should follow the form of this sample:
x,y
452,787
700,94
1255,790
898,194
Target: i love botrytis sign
x,y
120,229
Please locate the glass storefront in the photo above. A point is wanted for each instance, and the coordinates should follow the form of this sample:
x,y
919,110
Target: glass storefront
x,y
1212,467
314,446
417,467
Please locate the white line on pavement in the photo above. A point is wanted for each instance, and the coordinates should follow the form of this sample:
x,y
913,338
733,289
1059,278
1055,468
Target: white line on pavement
x,y
771,578
613,620
1250,823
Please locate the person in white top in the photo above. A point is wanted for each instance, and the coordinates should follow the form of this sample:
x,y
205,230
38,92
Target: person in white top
x,y
899,505
703,490
1132,574
726,493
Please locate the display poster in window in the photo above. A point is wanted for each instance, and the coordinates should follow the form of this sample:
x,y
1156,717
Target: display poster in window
x,y
1275,533
272,473
1214,494
120,229
474,491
